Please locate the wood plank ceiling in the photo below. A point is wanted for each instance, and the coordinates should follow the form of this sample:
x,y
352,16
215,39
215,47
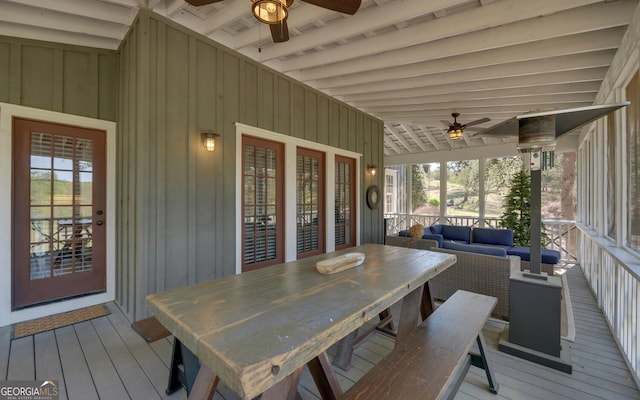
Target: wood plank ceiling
x,y
410,63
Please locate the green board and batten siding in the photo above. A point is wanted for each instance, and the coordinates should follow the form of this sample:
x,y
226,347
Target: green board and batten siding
x,y
57,77
177,202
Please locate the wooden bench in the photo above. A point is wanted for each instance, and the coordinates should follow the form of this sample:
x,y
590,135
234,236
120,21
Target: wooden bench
x,y
432,361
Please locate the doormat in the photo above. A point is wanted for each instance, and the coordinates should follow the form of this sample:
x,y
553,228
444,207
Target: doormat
x,y
32,327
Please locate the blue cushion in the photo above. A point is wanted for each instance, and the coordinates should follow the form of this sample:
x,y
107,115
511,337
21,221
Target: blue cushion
x,y
437,229
491,251
404,233
503,237
457,233
427,230
548,256
433,236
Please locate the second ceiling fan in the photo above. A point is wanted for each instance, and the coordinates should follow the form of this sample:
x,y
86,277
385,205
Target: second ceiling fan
x,y
456,128
275,12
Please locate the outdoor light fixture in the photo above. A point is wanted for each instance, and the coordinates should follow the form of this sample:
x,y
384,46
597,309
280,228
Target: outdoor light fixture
x,y
455,134
209,140
269,11
372,169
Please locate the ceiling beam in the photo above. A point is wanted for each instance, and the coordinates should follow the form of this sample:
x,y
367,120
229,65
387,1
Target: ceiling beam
x,y
57,20
96,10
363,21
398,136
447,94
425,106
562,77
607,39
500,16
414,137
520,68
54,35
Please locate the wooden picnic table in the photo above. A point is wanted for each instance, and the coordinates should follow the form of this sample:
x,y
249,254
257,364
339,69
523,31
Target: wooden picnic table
x,y
256,330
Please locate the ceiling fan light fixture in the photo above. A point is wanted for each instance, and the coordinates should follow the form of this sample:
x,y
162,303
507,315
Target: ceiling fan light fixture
x,y
455,134
269,11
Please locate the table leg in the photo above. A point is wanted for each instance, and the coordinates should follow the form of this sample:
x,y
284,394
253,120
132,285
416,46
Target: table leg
x,y
286,389
411,307
426,307
205,384
323,376
182,377
344,351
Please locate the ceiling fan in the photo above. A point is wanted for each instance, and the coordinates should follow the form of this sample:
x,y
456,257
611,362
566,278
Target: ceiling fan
x,y
275,12
456,128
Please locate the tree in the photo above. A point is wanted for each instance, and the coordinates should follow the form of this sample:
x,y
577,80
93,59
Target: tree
x,y
419,188
517,211
466,173
568,185
500,171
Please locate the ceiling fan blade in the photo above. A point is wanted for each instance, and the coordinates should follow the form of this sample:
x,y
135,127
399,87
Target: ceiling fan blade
x,y
477,122
199,3
447,123
344,6
279,32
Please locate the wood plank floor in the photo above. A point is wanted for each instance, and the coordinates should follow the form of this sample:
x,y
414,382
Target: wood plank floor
x,y
105,359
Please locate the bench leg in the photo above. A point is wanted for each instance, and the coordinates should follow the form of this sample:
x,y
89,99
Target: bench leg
x,y
480,361
204,385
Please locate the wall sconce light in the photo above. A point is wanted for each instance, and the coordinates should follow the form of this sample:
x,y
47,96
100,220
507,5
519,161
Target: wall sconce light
x,y
372,169
209,140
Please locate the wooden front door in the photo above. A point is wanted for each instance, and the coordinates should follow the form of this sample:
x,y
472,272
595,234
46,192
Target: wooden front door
x,y
59,212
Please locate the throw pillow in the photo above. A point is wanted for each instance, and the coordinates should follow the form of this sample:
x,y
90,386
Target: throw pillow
x,y
417,231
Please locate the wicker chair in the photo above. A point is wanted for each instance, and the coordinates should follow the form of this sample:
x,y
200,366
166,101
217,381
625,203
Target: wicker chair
x,y
478,273
401,241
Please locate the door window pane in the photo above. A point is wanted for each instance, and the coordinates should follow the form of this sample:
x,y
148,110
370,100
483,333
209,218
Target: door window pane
x,y
344,212
262,197
309,202
61,205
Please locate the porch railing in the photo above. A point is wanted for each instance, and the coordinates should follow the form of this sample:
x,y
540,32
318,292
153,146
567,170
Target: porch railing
x,y
563,233
613,276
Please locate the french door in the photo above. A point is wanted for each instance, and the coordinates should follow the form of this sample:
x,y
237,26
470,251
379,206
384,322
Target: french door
x,y
310,201
262,203
345,202
59,231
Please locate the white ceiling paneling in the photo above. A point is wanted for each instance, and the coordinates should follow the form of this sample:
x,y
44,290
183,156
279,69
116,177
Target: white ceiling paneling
x,y
410,63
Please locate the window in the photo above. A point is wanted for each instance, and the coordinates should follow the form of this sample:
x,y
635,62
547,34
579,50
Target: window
x,y
425,188
345,207
310,202
462,188
559,187
498,176
390,191
633,157
263,199
611,175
